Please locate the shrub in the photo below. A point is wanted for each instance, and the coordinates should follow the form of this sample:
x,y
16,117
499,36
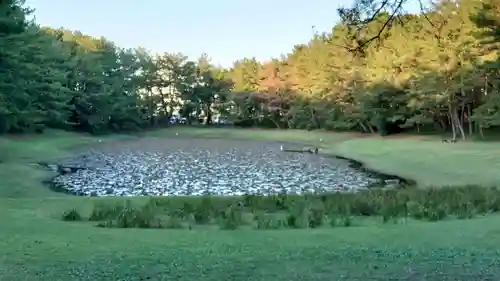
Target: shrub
x,y
72,215
103,211
132,217
300,211
174,222
333,219
203,212
269,221
299,217
346,221
316,215
126,216
231,218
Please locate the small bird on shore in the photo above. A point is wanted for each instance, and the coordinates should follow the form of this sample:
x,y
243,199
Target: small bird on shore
x,y
281,147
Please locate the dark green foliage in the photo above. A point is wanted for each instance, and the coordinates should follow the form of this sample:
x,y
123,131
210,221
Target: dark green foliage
x,y
204,211
298,219
343,220
67,80
346,221
333,220
127,216
316,215
298,212
232,217
269,221
173,222
134,217
64,79
103,211
72,215
306,211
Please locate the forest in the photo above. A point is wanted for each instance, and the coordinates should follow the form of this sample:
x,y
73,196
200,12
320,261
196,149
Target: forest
x,y
436,70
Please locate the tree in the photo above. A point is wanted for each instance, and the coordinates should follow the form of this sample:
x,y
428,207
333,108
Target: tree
x,y
32,73
434,70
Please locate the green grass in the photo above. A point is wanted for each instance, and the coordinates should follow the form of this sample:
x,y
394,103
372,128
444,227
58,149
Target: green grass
x,y
37,245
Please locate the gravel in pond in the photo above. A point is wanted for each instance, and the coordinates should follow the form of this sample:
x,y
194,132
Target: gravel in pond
x,y
155,167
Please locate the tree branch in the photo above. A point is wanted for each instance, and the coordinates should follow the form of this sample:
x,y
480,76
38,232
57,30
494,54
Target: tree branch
x,y
351,17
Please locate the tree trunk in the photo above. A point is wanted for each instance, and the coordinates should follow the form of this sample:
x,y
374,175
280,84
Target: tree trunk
x,y
481,133
457,124
209,114
452,122
151,107
442,123
314,120
460,127
272,116
365,130
370,128
471,123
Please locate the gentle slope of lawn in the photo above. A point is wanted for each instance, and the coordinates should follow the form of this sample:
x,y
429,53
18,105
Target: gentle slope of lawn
x,y
37,245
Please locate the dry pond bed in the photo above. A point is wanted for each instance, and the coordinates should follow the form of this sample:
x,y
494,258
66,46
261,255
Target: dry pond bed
x,y
160,167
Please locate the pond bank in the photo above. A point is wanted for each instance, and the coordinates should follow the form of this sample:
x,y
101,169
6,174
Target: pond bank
x,y
384,177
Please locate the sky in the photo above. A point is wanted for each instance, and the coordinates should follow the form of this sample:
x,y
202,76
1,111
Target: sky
x,y
226,30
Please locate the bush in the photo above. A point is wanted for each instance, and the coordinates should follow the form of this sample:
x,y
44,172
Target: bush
x,y
334,220
203,212
299,218
174,222
105,211
316,215
72,215
231,218
126,216
298,211
269,221
131,217
346,221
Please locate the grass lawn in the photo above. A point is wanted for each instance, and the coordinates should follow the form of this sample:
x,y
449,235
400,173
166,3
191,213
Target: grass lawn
x,y
37,245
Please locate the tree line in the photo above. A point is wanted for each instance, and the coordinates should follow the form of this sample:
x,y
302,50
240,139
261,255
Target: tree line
x,y
57,78
437,70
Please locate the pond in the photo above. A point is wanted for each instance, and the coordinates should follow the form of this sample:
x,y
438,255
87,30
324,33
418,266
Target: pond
x,y
159,167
